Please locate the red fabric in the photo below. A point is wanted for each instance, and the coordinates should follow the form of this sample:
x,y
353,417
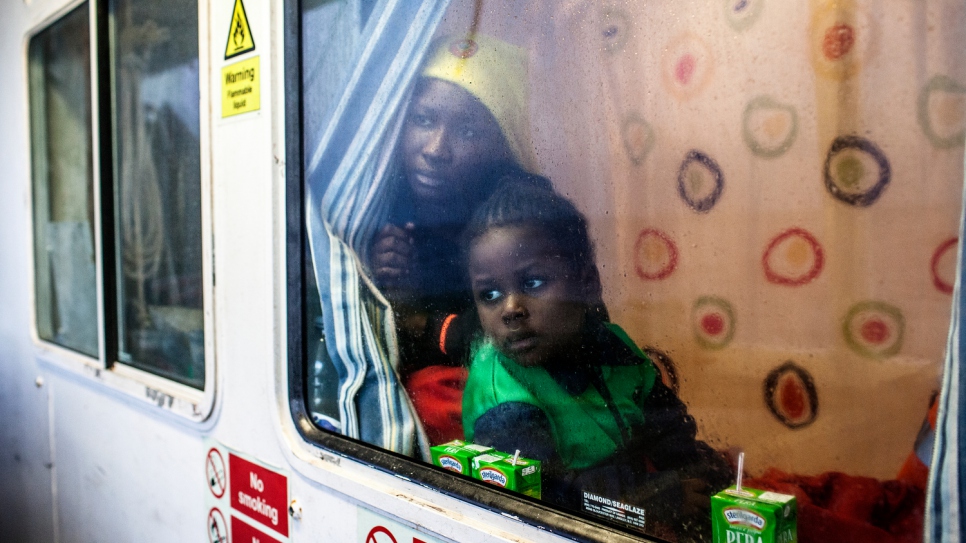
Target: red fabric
x,y
838,508
913,470
437,395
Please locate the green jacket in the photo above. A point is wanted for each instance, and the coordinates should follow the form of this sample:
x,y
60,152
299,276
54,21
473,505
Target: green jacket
x,y
586,430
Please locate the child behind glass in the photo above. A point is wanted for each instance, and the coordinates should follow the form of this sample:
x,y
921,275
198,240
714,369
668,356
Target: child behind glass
x,y
551,376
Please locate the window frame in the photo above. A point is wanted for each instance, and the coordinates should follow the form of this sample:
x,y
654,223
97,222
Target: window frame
x,y
48,22
170,398
323,443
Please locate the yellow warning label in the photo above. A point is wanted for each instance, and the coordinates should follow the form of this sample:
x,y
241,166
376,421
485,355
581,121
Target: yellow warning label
x,y
240,39
240,87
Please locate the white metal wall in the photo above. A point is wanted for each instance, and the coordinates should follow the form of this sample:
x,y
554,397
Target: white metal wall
x,y
25,459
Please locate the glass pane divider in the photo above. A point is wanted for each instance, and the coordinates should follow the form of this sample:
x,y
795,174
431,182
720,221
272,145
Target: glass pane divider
x,y
206,87
101,178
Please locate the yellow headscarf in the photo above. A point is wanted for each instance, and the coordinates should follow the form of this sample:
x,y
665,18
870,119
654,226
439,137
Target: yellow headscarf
x,y
495,72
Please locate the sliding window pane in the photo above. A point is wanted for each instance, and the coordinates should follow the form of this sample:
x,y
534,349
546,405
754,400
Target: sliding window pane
x,y
629,241
157,184
63,181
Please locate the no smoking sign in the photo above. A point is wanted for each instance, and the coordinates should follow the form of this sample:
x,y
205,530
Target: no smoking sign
x,y
246,499
380,534
217,527
377,529
215,472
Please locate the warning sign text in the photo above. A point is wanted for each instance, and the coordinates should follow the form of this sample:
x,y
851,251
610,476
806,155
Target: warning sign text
x,y
259,493
240,88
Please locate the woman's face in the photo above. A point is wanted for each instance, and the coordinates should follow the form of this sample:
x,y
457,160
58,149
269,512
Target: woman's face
x,y
449,140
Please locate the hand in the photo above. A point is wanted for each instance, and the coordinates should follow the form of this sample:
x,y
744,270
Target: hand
x,y
392,256
696,499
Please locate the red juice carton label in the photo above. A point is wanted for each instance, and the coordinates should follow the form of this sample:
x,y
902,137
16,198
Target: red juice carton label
x,y
753,516
497,468
457,455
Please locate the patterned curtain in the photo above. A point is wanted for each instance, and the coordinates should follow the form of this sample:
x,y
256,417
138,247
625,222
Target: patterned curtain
x,y
775,191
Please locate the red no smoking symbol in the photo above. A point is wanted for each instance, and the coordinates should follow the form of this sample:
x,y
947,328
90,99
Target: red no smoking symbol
x,y
215,472
217,528
381,534
380,531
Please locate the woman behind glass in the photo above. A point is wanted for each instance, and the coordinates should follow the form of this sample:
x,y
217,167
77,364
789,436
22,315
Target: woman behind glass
x,y
467,123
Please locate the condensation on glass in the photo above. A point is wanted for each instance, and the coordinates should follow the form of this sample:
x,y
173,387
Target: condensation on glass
x,y
157,187
772,194
63,181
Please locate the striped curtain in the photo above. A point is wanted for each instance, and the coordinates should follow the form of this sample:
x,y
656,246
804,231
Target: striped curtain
x,y
945,504
348,180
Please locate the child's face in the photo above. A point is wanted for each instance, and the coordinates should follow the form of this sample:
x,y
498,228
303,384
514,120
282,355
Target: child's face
x,y
530,300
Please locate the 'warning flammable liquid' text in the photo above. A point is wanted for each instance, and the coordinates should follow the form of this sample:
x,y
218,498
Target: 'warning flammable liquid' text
x,y
240,87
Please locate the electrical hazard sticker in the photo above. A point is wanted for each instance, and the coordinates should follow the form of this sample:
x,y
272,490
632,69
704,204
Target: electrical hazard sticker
x,y
240,39
240,88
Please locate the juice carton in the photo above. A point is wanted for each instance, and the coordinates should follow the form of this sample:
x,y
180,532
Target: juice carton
x,y
509,471
746,515
456,455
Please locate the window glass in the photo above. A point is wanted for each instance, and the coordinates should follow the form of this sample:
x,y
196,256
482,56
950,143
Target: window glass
x,y
157,187
629,242
330,35
63,181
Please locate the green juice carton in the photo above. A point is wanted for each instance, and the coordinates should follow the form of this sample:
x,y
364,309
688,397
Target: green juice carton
x,y
509,471
456,455
746,515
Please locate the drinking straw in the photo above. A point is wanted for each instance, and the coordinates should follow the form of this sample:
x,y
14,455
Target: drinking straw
x,y
741,468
